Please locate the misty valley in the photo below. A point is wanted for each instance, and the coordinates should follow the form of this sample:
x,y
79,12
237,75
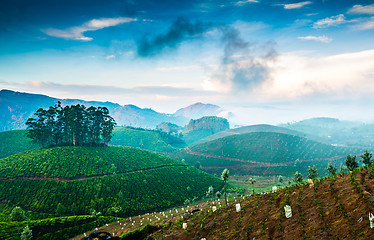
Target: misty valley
x,y
73,169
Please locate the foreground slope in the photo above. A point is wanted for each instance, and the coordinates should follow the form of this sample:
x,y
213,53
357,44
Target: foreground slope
x,y
334,208
85,178
260,153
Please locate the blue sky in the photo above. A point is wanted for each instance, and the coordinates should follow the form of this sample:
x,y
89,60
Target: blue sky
x,y
265,61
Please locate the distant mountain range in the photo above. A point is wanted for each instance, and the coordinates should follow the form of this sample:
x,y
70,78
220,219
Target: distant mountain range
x,y
17,107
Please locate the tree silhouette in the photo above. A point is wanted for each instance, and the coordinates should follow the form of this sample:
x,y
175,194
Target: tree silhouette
x,y
225,177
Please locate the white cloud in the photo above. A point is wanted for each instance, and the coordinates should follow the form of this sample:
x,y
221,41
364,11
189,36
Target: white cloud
x,y
365,24
345,75
330,21
323,38
360,9
243,2
296,5
76,33
110,56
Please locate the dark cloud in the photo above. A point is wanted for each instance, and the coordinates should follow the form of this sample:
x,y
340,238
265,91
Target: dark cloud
x,y
244,66
180,30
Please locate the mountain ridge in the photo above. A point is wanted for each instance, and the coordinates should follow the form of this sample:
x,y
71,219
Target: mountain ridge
x,y
16,107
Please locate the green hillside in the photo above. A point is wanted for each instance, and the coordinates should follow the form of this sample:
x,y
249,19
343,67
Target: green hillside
x,y
148,139
83,178
249,129
262,153
15,141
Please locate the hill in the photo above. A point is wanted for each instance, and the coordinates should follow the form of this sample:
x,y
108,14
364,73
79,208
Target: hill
x,y
335,208
85,178
12,142
335,131
263,153
153,140
198,110
203,127
249,129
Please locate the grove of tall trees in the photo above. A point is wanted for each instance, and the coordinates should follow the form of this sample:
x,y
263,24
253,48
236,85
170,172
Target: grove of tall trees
x,y
73,125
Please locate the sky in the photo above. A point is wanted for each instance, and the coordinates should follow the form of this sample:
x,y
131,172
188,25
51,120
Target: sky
x,y
264,61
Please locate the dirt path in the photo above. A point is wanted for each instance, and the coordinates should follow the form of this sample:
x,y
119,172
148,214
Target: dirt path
x,y
80,178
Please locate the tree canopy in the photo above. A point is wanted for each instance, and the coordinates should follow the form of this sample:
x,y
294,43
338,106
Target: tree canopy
x,y
73,125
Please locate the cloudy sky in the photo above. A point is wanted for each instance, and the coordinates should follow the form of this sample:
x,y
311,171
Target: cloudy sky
x,y
265,61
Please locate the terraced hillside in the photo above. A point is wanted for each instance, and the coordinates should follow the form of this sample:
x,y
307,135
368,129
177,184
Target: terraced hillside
x,y
263,153
250,129
12,142
147,139
84,178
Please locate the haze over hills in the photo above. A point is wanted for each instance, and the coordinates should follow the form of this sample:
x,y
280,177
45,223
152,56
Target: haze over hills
x,y
335,131
17,107
199,110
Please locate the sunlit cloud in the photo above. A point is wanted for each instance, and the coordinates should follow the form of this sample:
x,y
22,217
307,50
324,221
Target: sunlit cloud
x,y
360,9
330,21
296,5
345,75
243,2
76,33
323,39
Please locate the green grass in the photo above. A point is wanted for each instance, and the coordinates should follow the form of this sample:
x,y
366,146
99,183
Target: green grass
x,y
146,139
142,182
12,142
54,228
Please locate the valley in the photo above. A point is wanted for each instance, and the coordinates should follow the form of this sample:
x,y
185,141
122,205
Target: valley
x,y
150,180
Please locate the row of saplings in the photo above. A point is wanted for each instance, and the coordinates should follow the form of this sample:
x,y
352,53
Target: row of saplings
x,y
350,163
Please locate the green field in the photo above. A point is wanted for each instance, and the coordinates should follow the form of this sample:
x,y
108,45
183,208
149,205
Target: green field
x,y
12,142
263,153
83,178
147,139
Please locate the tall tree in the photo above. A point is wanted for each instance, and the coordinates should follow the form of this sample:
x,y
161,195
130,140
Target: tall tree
x,y
252,181
17,215
71,125
225,177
